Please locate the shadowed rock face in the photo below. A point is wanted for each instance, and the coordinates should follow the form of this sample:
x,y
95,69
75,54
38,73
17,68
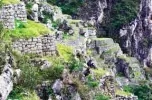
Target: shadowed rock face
x,y
136,37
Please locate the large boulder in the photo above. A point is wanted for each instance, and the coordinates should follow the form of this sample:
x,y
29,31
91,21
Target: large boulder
x,y
57,86
6,82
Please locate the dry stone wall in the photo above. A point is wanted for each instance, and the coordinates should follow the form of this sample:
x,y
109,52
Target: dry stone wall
x,y
7,16
118,97
44,45
10,13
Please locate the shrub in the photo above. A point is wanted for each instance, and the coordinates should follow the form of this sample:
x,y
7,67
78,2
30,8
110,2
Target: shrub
x,y
30,76
19,93
53,73
19,24
75,65
144,92
31,96
92,83
16,93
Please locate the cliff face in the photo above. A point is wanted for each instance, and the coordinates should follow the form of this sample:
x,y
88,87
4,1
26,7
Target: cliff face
x,y
136,37
94,9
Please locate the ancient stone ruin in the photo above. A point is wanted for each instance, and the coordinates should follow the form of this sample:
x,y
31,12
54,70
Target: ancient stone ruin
x,y
44,45
11,13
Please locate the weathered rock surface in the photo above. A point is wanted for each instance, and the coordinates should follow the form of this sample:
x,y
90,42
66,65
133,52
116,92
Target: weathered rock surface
x,y
94,10
6,82
136,37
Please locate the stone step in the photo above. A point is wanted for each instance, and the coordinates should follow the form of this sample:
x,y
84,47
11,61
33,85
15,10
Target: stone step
x,y
103,41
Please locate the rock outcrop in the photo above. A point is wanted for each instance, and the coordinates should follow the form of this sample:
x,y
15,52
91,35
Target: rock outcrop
x,y
136,37
94,10
6,82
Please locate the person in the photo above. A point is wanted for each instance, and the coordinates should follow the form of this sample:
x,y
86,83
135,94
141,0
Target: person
x,y
35,10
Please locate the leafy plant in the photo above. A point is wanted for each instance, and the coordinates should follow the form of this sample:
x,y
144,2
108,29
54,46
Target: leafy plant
x,y
17,93
19,24
30,76
144,92
75,65
20,93
52,73
92,83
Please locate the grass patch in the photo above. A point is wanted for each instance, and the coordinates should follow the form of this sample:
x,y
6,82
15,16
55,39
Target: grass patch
x,y
99,72
71,21
26,30
112,50
66,52
7,2
123,93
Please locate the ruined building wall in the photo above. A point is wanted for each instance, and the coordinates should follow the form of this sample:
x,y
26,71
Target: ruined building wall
x,y
10,13
44,45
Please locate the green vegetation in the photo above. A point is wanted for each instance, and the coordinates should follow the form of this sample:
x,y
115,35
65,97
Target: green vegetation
x,y
6,2
72,21
102,97
25,30
16,93
52,73
122,93
66,52
82,89
122,13
92,83
144,92
46,17
112,50
75,65
68,6
30,76
20,93
99,72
